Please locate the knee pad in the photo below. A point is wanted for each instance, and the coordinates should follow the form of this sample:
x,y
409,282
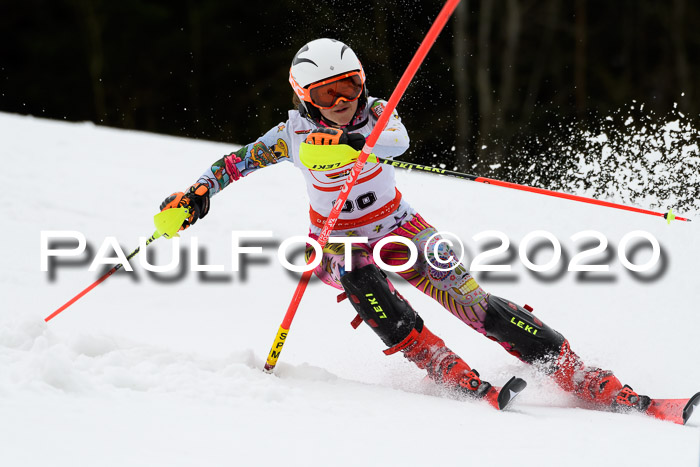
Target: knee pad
x,y
379,305
528,337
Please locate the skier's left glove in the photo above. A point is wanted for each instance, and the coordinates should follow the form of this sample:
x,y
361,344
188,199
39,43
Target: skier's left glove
x,y
196,200
330,148
329,136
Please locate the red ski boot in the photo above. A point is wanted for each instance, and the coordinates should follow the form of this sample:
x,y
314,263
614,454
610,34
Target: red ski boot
x,y
628,400
593,385
444,367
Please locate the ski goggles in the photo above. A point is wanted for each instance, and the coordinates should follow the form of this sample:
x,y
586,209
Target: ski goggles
x,y
327,93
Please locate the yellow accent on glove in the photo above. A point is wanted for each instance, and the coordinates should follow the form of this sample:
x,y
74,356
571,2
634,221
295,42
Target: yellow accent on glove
x,y
329,157
169,221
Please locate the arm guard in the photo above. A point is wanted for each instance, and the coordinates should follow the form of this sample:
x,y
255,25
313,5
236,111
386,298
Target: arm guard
x,y
329,157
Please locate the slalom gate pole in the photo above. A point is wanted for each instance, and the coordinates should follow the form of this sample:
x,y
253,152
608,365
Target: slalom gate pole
x,y
405,80
167,225
669,216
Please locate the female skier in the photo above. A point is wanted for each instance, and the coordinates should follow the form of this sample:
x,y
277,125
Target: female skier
x,y
333,110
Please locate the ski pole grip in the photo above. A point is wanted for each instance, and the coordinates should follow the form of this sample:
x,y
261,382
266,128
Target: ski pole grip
x,y
168,222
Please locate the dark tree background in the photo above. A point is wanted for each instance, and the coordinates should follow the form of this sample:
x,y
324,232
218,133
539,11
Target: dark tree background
x,y
502,76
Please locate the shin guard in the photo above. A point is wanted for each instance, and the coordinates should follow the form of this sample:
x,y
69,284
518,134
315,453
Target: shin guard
x,y
521,332
528,338
379,305
402,330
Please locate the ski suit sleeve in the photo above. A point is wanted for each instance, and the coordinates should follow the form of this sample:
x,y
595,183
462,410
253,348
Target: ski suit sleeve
x,y
270,149
394,139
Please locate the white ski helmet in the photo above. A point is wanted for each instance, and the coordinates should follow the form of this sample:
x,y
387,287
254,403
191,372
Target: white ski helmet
x,y
324,60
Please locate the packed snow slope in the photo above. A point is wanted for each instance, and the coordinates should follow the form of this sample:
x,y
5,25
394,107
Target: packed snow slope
x,y
165,369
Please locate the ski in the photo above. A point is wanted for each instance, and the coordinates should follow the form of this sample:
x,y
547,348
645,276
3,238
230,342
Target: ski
x,y
499,398
673,410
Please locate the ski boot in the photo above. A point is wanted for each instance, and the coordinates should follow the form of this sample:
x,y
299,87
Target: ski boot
x,y
444,367
602,388
402,330
627,401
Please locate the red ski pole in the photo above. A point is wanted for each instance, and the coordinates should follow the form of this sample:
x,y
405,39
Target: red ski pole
x,y
669,216
408,75
114,269
167,225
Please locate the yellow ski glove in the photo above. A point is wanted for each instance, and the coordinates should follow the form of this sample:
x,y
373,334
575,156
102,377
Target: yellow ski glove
x,y
331,148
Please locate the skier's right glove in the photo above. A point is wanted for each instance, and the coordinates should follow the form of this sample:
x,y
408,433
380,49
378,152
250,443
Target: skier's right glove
x,y
196,200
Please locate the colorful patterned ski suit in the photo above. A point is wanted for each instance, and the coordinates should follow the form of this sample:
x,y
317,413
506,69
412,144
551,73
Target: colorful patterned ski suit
x,y
375,209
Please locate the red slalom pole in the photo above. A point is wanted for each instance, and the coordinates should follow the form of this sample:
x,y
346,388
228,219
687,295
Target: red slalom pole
x,y
332,219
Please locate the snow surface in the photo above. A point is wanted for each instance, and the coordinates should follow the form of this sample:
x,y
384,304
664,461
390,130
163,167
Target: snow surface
x,y
142,372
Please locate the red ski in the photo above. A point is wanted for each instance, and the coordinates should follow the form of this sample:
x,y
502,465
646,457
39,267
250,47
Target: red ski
x,y
673,410
499,398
